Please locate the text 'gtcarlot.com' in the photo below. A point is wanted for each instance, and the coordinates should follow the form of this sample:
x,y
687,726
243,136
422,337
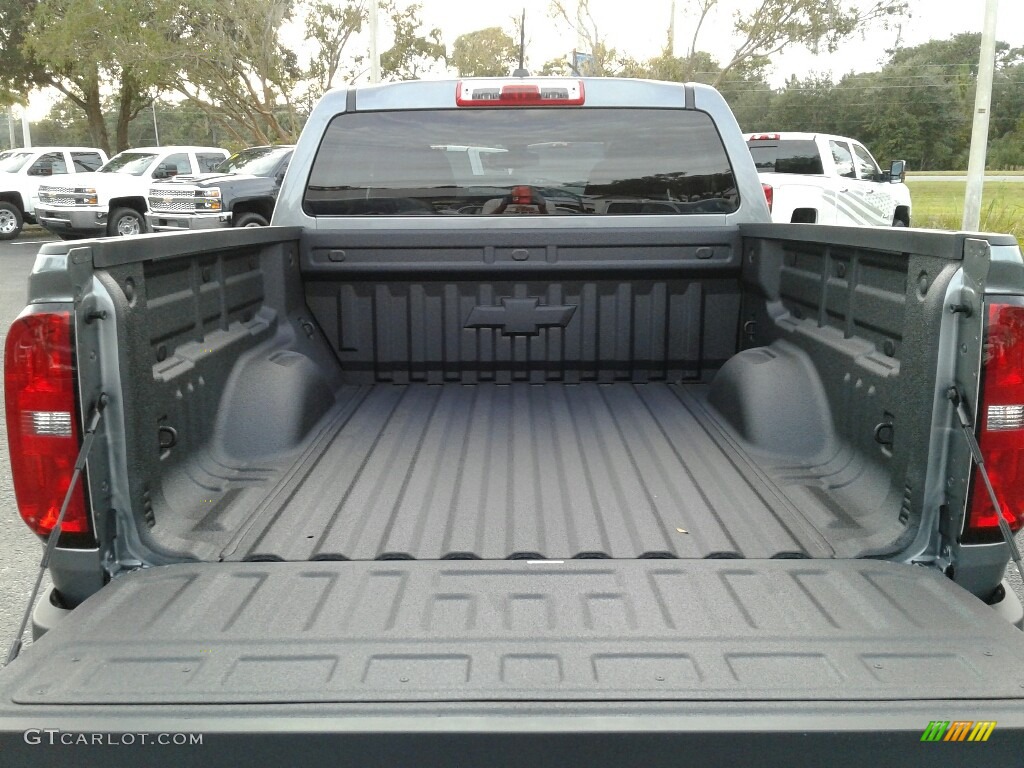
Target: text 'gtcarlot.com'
x,y
54,737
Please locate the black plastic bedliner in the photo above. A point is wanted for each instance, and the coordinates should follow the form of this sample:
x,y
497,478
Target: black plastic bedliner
x,y
532,471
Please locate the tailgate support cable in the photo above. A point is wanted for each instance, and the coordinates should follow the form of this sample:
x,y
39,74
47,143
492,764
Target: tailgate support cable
x,y
965,423
51,542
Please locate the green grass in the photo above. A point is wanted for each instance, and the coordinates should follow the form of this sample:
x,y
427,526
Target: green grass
x,y
940,205
963,173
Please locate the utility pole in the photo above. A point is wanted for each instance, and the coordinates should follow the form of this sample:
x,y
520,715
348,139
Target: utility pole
x,y
672,30
156,129
583,46
374,52
26,132
10,127
982,108
582,43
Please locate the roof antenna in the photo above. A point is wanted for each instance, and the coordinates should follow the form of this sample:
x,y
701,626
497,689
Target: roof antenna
x,y
522,71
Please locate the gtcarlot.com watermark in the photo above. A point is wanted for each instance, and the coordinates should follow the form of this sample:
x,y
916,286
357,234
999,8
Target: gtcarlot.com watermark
x,y
54,737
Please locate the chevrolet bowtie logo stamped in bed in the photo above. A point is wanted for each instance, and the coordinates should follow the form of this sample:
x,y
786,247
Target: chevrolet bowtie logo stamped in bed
x,y
520,317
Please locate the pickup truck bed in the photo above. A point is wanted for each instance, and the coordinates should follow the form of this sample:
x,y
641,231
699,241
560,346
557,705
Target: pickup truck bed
x,y
532,471
411,428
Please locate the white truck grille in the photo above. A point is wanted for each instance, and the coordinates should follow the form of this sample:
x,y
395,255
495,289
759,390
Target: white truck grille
x,y
57,195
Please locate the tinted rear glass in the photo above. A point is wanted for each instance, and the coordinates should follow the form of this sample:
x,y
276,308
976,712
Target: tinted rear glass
x,y
521,161
786,156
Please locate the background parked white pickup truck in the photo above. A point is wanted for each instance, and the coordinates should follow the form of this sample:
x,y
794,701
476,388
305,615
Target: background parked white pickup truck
x,y
23,170
112,201
816,178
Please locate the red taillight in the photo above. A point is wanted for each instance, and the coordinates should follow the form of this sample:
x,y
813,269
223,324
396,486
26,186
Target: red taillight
x,y
769,195
765,137
42,423
1001,425
519,92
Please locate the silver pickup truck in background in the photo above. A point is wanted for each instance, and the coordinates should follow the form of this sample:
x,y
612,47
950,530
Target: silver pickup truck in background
x,y
523,436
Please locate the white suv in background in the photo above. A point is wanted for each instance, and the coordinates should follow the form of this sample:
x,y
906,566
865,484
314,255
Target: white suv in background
x,y
22,171
817,178
112,201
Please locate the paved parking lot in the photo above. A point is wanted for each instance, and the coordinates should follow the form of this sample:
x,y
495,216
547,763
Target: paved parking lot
x,y
19,549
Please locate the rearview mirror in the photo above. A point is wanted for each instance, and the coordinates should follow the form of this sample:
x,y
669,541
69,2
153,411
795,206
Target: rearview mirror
x,y
898,171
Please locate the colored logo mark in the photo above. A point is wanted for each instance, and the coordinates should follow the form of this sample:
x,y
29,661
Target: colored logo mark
x,y
958,730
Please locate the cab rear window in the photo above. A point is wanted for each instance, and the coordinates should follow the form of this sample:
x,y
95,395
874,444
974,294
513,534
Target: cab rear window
x,y
481,162
793,156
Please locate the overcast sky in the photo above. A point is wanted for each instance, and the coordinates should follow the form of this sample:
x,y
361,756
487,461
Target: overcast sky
x,y
638,28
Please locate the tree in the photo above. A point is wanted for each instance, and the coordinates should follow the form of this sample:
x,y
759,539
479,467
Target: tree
x,y
770,27
236,69
1007,151
19,71
775,25
601,58
1008,94
702,8
919,105
229,63
414,50
180,123
490,52
747,92
81,47
699,67
239,71
803,104
330,26
64,124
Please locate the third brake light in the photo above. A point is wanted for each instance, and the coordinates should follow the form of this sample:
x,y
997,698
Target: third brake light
x,y
519,92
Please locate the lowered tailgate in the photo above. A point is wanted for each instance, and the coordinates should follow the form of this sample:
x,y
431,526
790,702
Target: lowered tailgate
x,y
793,646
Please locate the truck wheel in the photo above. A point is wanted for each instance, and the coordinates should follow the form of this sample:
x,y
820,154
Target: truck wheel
x,y
250,220
125,222
11,221
899,223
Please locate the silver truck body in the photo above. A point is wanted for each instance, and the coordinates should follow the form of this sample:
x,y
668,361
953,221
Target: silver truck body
x,y
436,489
